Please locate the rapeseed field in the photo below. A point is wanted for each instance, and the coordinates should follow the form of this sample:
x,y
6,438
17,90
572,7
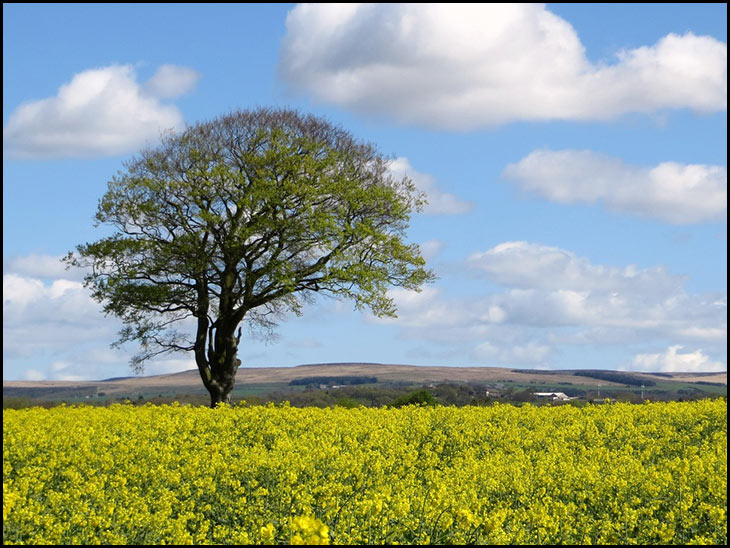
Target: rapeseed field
x,y
654,473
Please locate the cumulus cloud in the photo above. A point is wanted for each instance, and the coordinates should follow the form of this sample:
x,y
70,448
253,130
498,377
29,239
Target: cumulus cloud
x,y
467,66
431,249
34,375
49,317
102,111
535,266
57,327
171,81
529,353
550,286
551,298
41,267
671,192
59,366
439,202
673,361
169,365
53,329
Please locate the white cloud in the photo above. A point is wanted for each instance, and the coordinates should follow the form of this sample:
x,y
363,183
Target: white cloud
x,y
53,329
466,66
40,317
554,299
672,192
59,366
169,365
529,353
58,328
421,309
73,378
171,81
101,111
554,287
19,291
439,202
34,375
41,267
674,361
431,249
92,360
535,266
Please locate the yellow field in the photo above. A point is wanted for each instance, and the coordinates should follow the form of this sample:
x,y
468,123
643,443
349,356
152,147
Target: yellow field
x,y
619,474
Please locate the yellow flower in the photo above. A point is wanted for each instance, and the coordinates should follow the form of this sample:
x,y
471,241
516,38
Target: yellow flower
x,y
267,533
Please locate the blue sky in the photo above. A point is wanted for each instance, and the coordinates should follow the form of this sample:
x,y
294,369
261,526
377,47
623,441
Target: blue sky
x,y
574,157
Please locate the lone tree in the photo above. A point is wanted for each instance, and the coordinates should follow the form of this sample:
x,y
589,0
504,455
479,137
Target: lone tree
x,y
246,217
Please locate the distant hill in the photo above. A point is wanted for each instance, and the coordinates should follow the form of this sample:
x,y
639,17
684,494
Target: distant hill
x,y
188,382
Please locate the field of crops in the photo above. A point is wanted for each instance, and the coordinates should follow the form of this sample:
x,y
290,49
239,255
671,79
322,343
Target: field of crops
x,y
621,474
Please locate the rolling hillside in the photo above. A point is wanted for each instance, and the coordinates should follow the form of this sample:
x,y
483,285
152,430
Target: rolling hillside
x,y
266,379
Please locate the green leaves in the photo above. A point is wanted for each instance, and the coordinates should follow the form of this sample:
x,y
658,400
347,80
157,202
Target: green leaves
x,y
244,217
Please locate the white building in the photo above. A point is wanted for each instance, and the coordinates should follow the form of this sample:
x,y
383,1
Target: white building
x,y
554,396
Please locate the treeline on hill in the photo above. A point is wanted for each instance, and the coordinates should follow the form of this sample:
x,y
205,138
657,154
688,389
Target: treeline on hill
x,y
395,394
335,380
614,376
392,394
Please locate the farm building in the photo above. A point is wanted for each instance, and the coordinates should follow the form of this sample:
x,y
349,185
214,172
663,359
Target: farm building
x,y
554,396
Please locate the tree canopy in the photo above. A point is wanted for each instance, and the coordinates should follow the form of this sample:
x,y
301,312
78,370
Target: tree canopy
x,y
245,218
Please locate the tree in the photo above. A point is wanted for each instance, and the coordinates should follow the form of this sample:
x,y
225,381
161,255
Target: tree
x,y
243,219
418,397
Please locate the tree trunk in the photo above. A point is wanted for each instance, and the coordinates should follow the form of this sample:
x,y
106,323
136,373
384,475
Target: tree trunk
x,y
219,365
221,385
220,393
